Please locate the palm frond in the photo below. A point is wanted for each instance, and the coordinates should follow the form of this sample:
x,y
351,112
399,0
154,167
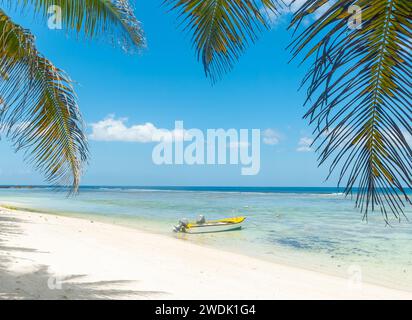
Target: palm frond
x,y
359,91
221,29
39,112
101,18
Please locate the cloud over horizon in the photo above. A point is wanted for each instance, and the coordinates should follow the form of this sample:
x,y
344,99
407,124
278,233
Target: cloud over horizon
x,y
304,144
116,129
271,137
112,129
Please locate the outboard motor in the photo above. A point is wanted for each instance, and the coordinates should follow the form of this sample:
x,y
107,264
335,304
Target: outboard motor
x,y
181,226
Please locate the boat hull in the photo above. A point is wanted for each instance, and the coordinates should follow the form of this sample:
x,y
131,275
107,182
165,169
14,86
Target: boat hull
x,y
216,228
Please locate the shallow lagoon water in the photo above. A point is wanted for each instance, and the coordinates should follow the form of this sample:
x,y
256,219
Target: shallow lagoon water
x,y
313,228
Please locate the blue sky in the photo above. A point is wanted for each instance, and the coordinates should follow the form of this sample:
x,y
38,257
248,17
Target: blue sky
x,y
165,83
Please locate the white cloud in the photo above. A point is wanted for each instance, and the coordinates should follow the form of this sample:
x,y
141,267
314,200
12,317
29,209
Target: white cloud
x,y
112,129
271,137
284,8
304,144
290,6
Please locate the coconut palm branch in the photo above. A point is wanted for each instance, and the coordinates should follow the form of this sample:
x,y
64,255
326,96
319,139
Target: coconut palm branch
x,y
359,92
102,18
38,106
222,29
38,110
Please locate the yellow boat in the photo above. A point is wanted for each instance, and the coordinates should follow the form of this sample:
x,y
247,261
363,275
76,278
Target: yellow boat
x,y
202,226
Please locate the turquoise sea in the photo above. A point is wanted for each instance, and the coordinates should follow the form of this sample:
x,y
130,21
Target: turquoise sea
x,y
314,228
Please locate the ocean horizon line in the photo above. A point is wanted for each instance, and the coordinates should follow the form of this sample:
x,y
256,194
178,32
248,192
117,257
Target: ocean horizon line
x,y
254,189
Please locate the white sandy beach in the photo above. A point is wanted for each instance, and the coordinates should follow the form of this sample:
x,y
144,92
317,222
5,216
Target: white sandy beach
x,y
52,257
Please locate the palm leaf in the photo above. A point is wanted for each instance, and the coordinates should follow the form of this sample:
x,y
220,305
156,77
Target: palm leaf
x,y
359,91
109,18
221,29
39,112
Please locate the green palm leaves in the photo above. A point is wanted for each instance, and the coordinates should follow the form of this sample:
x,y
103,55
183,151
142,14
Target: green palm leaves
x,y
38,106
359,91
221,29
39,110
102,18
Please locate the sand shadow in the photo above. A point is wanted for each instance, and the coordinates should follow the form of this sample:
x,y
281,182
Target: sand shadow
x,y
42,284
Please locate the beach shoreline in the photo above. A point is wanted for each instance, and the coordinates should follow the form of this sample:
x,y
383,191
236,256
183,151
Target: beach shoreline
x,y
44,256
